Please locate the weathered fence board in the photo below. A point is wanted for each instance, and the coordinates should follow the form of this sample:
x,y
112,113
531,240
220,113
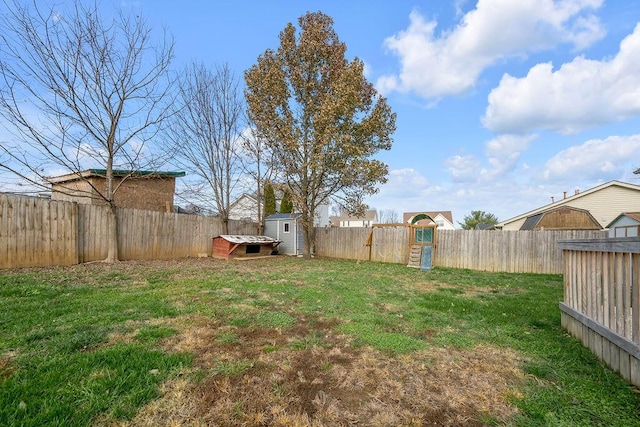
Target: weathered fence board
x,y
36,232
41,232
601,300
499,251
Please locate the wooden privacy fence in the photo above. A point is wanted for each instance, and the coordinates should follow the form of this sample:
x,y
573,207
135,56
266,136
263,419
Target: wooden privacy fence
x,y
495,250
389,244
602,300
36,232
510,251
41,232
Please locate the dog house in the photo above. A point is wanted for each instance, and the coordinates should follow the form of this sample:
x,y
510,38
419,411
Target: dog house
x,y
236,247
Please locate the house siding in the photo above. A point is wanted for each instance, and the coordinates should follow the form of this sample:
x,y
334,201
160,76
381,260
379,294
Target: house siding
x,y
244,208
624,227
605,205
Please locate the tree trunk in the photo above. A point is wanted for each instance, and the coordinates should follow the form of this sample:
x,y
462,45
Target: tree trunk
x,y
308,237
112,235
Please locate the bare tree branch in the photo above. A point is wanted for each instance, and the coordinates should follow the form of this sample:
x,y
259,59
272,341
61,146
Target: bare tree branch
x,y
78,91
205,133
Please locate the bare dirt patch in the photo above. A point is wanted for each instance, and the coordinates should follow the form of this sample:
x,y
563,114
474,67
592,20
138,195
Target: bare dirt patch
x,y
284,382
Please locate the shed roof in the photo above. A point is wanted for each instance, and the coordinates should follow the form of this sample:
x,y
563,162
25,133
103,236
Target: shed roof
x,y
284,216
532,221
254,240
633,215
116,172
568,200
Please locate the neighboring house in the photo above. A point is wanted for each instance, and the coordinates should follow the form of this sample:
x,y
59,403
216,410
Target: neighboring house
x,y
604,203
245,207
561,218
370,217
148,190
443,219
626,224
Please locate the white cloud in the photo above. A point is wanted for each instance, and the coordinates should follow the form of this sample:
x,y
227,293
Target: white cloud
x,y
404,182
503,154
405,190
581,94
595,159
463,168
449,63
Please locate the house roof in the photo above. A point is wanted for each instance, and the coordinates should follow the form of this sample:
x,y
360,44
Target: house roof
x,y
243,196
116,172
633,215
256,240
369,214
568,200
406,216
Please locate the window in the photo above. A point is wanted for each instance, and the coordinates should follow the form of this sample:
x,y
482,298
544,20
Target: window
x,y
286,227
424,235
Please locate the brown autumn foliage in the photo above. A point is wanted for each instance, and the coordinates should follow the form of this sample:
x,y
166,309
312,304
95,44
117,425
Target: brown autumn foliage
x,y
320,117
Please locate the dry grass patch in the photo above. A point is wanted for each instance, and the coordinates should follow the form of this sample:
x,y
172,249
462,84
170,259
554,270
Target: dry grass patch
x,y
265,378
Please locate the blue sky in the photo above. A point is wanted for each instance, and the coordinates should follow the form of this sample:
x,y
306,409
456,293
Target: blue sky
x,y
501,104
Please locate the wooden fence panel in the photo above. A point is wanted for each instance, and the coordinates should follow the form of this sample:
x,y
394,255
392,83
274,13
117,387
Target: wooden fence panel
x,y
92,232
505,251
42,232
498,251
344,243
601,300
37,232
161,235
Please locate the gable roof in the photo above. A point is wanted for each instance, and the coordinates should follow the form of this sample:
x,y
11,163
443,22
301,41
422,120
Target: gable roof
x,y
242,196
369,214
568,200
406,216
633,215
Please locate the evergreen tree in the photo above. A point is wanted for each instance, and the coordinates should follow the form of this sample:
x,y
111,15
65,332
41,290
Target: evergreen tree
x,y
478,217
286,205
269,200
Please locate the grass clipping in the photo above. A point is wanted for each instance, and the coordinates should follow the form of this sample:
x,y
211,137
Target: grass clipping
x,y
331,385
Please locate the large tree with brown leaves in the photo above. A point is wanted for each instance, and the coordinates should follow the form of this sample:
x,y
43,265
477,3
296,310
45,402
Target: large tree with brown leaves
x,y
321,118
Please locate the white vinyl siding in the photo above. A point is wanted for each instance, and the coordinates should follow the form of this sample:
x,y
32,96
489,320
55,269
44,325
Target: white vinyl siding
x,y
604,204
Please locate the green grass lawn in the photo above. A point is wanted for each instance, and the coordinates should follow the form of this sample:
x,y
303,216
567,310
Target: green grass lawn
x,y
284,342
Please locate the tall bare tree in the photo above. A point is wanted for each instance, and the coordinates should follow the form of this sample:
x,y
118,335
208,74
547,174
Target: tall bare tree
x,y
388,216
258,163
205,134
78,90
321,118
